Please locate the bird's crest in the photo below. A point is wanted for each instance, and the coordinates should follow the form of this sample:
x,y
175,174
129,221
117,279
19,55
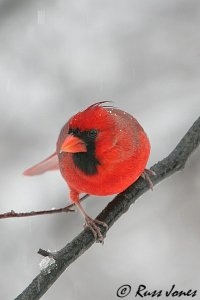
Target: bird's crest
x,y
102,104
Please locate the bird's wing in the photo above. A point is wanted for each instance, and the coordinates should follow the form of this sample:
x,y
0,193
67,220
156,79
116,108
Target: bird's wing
x,y
49,164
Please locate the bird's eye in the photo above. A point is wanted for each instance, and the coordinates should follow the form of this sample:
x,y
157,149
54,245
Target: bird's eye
x,y
92,133
76,131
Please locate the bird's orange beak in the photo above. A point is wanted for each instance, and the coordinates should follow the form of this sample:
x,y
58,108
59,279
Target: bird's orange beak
x,y
73,144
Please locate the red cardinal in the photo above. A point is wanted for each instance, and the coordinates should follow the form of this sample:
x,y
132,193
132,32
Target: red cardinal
x,y
100,151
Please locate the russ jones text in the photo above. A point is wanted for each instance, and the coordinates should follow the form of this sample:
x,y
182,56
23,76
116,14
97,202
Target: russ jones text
x,y
142,291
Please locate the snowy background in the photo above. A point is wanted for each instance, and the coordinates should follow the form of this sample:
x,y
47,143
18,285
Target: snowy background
x,y
57,57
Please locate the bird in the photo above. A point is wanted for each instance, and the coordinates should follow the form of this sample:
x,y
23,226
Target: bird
x,y
101,151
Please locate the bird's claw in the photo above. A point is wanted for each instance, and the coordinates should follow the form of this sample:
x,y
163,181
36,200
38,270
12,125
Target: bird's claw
x,y
151,172
145,176
93,225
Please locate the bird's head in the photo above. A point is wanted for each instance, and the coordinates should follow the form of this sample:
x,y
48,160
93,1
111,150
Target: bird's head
x,y
88,134
91,126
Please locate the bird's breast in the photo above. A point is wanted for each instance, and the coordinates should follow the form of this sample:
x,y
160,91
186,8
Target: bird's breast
x,y
102,178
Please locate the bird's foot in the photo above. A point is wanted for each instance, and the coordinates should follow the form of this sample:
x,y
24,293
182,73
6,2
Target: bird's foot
x,y
145,176
93,225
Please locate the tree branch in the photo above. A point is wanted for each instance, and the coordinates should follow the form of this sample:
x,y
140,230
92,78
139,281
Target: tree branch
x,y
61,259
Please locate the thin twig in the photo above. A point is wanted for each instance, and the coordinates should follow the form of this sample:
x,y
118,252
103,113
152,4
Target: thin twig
x,y
13,214
174,162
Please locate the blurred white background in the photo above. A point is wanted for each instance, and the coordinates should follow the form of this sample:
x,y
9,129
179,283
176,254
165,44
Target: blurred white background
x,y
57,57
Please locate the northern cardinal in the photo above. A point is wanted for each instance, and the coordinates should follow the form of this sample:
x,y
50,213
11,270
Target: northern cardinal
x,y
100,151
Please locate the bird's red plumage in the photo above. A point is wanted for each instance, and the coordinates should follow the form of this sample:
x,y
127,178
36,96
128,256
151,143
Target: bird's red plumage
x,y
122,148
